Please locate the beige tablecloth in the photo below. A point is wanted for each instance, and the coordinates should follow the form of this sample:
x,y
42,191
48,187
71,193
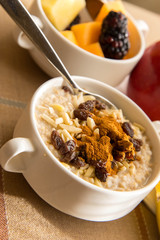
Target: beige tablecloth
x,y
23,214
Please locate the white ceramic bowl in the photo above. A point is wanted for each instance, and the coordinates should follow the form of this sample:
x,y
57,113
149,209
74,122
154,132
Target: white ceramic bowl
x,y
28,154
78,61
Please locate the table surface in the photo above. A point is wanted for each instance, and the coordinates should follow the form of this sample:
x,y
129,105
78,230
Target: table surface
x,y
23,214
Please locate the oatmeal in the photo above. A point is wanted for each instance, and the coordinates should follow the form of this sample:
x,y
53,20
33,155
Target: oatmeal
x,y
96,143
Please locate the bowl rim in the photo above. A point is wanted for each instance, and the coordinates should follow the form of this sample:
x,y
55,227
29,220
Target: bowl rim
x,y
37,95
81,50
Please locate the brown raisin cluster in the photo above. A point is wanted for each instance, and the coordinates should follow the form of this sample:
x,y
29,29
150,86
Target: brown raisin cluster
x,y
67,150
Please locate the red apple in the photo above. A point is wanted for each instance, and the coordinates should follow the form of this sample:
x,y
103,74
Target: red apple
x,y
144,82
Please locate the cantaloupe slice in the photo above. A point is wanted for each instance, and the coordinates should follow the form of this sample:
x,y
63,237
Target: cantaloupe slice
x,y
87,33
134,39
61,13
107,7
94,48
70,36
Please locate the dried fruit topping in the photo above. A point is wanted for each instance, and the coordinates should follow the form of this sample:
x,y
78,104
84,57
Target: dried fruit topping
x,y
66,89
74,22
137,143
114,39
68,147
56,140
118,155
99,105
81,114
69,156
88,105
126,126
100,171
123,145
78,162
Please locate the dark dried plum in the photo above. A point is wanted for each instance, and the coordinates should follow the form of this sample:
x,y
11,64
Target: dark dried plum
x,y
137,143
101,172
78,162
126,126
99,105
88,105
69,156
117,155
56,140
123,145
81,114
67,147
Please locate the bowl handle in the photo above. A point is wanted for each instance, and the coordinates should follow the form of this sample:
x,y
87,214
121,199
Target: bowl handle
x,y
11,158
22,40
143,27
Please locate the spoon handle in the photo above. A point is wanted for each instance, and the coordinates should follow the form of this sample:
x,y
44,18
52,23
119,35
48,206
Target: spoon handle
x,y
24,20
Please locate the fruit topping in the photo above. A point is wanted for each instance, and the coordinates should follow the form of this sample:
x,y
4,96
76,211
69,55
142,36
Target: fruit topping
x,y
114,39
61,13
74,22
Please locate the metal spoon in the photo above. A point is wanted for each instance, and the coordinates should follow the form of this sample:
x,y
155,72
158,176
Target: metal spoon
x,y
24,20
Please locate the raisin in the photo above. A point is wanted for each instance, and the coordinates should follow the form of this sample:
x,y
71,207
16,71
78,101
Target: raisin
x,y
67,89
81,114
123,145
127,129
101,172
99,105
137,143
117,155
67,147
56,140
69,156
78,162
88,105
129,156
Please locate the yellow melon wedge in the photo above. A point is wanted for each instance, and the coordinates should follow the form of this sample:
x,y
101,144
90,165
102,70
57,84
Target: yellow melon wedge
x,y
70,36
109,6
61,13
158,204
94,48
87,33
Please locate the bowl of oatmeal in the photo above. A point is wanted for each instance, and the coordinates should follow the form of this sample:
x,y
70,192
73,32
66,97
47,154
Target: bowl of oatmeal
x,y
78,57
82,158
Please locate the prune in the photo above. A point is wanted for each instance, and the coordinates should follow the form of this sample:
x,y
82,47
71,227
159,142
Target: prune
x,y
99,105
117,155
78,162
81,114
123,145
137,143
56,140
101,172
67,147
88,105
66,89
129,156
127,129
69,156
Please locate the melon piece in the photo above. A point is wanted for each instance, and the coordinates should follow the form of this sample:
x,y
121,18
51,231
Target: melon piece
x,y
70,36
87,33
61,13
134,37
107,7
94,48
